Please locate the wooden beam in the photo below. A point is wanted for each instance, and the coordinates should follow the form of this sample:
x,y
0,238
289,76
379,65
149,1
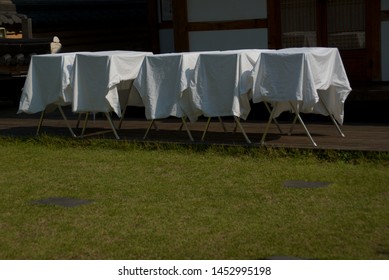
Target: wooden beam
x,y
180,25
153,25
321,23
166,25
274,24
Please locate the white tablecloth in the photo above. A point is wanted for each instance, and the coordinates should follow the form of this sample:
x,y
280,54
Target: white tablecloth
x,y
221,83
98,77
301,75
163,82
47,82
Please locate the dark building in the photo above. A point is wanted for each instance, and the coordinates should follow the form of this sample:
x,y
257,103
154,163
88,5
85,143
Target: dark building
x,y
28,26
89,24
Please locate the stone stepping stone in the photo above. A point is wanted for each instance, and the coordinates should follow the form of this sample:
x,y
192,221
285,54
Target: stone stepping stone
x,y
62,201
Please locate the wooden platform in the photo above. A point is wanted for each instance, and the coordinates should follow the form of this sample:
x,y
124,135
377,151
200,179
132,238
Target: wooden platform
x,y
359,136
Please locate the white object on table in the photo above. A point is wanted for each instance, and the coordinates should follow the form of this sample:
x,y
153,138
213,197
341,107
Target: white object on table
x,y
307,80
55,46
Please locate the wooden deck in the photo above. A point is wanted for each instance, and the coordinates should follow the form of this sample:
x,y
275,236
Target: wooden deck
x,y
359,136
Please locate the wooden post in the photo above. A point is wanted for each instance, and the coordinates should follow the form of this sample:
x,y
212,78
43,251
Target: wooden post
x,y
153,25
180,25
274,24
373,38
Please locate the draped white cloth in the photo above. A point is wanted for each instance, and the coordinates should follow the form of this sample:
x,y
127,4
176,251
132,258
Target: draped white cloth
x,y
221,83
303,76
47,82
213,84
163,82
98,77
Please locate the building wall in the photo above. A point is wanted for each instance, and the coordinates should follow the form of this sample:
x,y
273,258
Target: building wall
x,y
200,11
228,39
205,10
166,40
208,11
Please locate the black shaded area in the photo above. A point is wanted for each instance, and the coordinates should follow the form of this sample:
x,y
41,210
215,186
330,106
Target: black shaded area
x,y
90,25
305,184
62,201
56,13
11,90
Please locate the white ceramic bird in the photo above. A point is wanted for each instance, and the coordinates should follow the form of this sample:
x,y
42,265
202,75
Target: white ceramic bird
x,y
55,46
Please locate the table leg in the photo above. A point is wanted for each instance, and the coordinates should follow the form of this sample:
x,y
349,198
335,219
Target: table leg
x,y
241,128
148,129
112,125
40,122
187,129
331,116
222,124
293,124
302,123
85,123
268,124
275,121
121,118
66,121
206,128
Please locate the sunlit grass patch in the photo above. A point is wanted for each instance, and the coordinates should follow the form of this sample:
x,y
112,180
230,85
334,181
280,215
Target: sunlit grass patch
x,y
169,201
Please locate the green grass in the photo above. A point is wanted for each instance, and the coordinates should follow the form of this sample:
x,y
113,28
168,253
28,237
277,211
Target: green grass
x,y
161,201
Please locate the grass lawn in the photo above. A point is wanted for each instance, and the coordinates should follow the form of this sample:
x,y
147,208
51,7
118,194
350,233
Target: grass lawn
x,y
154,201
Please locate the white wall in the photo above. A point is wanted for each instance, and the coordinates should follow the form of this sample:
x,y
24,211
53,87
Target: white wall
x,y
228,40
210,10
220,10
385,44
226,10
166,40
384,4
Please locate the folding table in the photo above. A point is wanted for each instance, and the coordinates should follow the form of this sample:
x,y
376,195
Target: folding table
x,y
304,80
47,85
98,79
221,85
162,84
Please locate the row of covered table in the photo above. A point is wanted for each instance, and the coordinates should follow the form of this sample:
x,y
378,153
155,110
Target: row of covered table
x,y
189,85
